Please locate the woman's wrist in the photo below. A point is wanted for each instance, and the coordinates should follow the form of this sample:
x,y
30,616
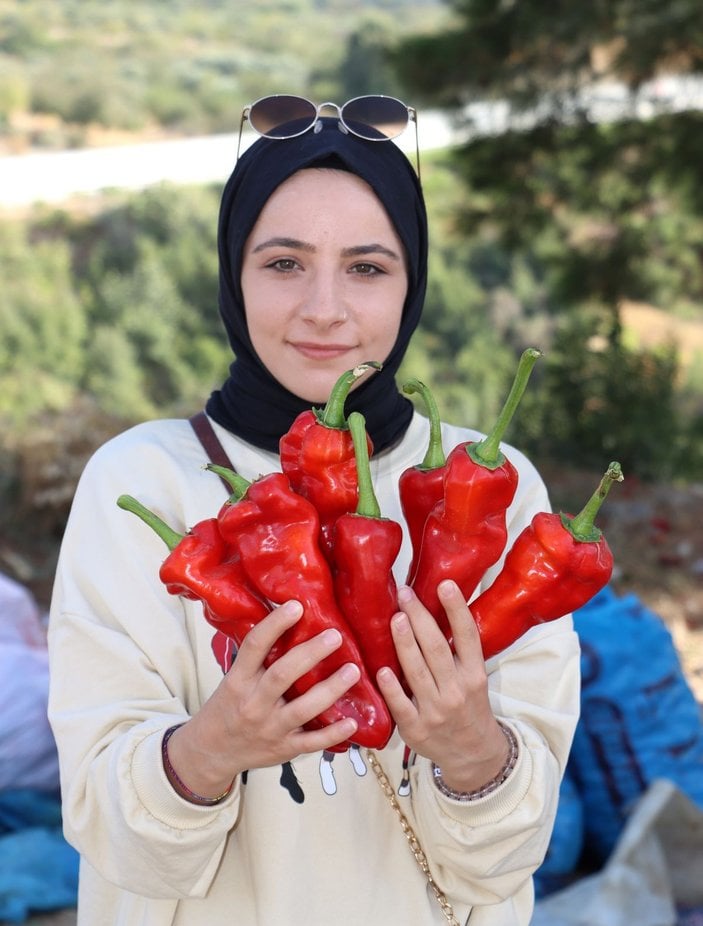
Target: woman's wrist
x,y
463,793
176,780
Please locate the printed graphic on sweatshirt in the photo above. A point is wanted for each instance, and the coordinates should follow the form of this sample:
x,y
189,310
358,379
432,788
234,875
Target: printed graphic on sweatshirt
x,y
327,759
403,789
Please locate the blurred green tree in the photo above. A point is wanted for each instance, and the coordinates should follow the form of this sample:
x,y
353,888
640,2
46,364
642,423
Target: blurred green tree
x,y
583,158
365,66
43,325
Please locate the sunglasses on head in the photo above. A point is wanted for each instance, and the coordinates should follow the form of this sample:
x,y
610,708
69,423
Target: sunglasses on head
x,y
374,118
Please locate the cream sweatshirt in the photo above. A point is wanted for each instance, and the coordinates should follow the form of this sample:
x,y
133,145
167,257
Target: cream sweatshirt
x,y
309,843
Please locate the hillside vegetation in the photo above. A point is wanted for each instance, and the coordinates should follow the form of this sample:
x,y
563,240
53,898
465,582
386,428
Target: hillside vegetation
x,y
545,236
75,72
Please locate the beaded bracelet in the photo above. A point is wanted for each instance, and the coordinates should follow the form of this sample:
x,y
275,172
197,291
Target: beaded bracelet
x,y
493,784
183,789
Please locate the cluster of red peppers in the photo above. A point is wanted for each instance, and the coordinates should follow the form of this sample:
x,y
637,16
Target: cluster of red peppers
x,y
314,532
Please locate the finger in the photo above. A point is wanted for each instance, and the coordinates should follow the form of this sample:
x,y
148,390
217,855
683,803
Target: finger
x,y
431,655
326,738
257,644
297,662
321,696
402,708
465,635
418,677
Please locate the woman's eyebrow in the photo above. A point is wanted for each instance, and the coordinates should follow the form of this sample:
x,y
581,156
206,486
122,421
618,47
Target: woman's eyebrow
x,y
283,242
360,250
357,250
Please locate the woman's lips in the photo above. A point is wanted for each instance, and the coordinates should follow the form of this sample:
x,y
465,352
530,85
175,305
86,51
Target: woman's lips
x,y
320,351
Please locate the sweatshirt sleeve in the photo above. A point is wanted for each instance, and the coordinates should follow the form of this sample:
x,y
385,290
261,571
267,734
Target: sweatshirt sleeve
x,y
484,851
127,661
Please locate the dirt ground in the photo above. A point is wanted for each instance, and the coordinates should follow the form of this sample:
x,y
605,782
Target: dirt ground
x,y
60,918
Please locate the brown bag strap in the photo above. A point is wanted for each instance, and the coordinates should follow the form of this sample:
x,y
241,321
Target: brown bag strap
x,y
216,453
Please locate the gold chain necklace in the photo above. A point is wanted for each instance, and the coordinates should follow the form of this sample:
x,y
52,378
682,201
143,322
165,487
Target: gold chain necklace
x,y
413,841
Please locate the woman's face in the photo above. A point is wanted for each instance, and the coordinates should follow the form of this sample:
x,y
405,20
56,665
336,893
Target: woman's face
x,y
323,279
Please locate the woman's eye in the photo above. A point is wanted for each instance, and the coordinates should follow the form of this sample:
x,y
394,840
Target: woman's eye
x,y
366,269
284,264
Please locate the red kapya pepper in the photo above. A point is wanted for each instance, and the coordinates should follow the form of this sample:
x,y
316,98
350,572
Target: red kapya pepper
x,y
556,565
365,548
422,486
317,455
276,533
466,532
202,567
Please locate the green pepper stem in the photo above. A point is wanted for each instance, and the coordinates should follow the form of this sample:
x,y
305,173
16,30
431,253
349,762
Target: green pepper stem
x,y
237,483
434,458
332,415
367,505
169,536
487,452
581,526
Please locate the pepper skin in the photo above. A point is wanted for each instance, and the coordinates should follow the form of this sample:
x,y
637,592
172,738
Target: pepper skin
x,y
202,567
422,486
556,565
317,456
365,548
276,532
466,532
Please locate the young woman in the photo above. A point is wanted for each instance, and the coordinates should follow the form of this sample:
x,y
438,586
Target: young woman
x,y
196,797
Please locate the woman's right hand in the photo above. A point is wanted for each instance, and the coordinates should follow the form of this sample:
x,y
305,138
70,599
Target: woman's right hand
x,y
247,723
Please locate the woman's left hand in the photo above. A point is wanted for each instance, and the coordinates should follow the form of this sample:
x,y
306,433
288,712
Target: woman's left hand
x,y
448,719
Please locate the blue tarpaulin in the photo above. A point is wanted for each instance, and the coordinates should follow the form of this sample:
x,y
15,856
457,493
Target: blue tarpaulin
x,y
38,869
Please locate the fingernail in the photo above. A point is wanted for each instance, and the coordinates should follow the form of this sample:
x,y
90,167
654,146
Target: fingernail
x,y
350,672
401,624
404,594
331,637
446,588
293,608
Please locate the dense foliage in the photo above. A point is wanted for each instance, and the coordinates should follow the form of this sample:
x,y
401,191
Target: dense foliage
x,y
592,175
540,229
119,307
69,70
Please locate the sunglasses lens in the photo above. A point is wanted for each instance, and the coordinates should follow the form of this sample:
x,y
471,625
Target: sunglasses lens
x,y
282,116
383,114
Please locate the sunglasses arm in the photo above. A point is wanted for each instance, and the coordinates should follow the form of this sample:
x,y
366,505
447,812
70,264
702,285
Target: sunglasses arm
x,y
413,115
244,118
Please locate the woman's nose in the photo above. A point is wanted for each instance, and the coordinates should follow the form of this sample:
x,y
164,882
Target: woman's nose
x,y
325,303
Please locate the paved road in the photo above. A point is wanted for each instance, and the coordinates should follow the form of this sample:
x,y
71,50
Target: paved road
x,y
52,177
55,176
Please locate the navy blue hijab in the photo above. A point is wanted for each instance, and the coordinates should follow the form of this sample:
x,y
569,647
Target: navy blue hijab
x,y
252,403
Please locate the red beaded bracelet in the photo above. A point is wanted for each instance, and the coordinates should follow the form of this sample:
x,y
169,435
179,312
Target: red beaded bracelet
x,y
182,788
